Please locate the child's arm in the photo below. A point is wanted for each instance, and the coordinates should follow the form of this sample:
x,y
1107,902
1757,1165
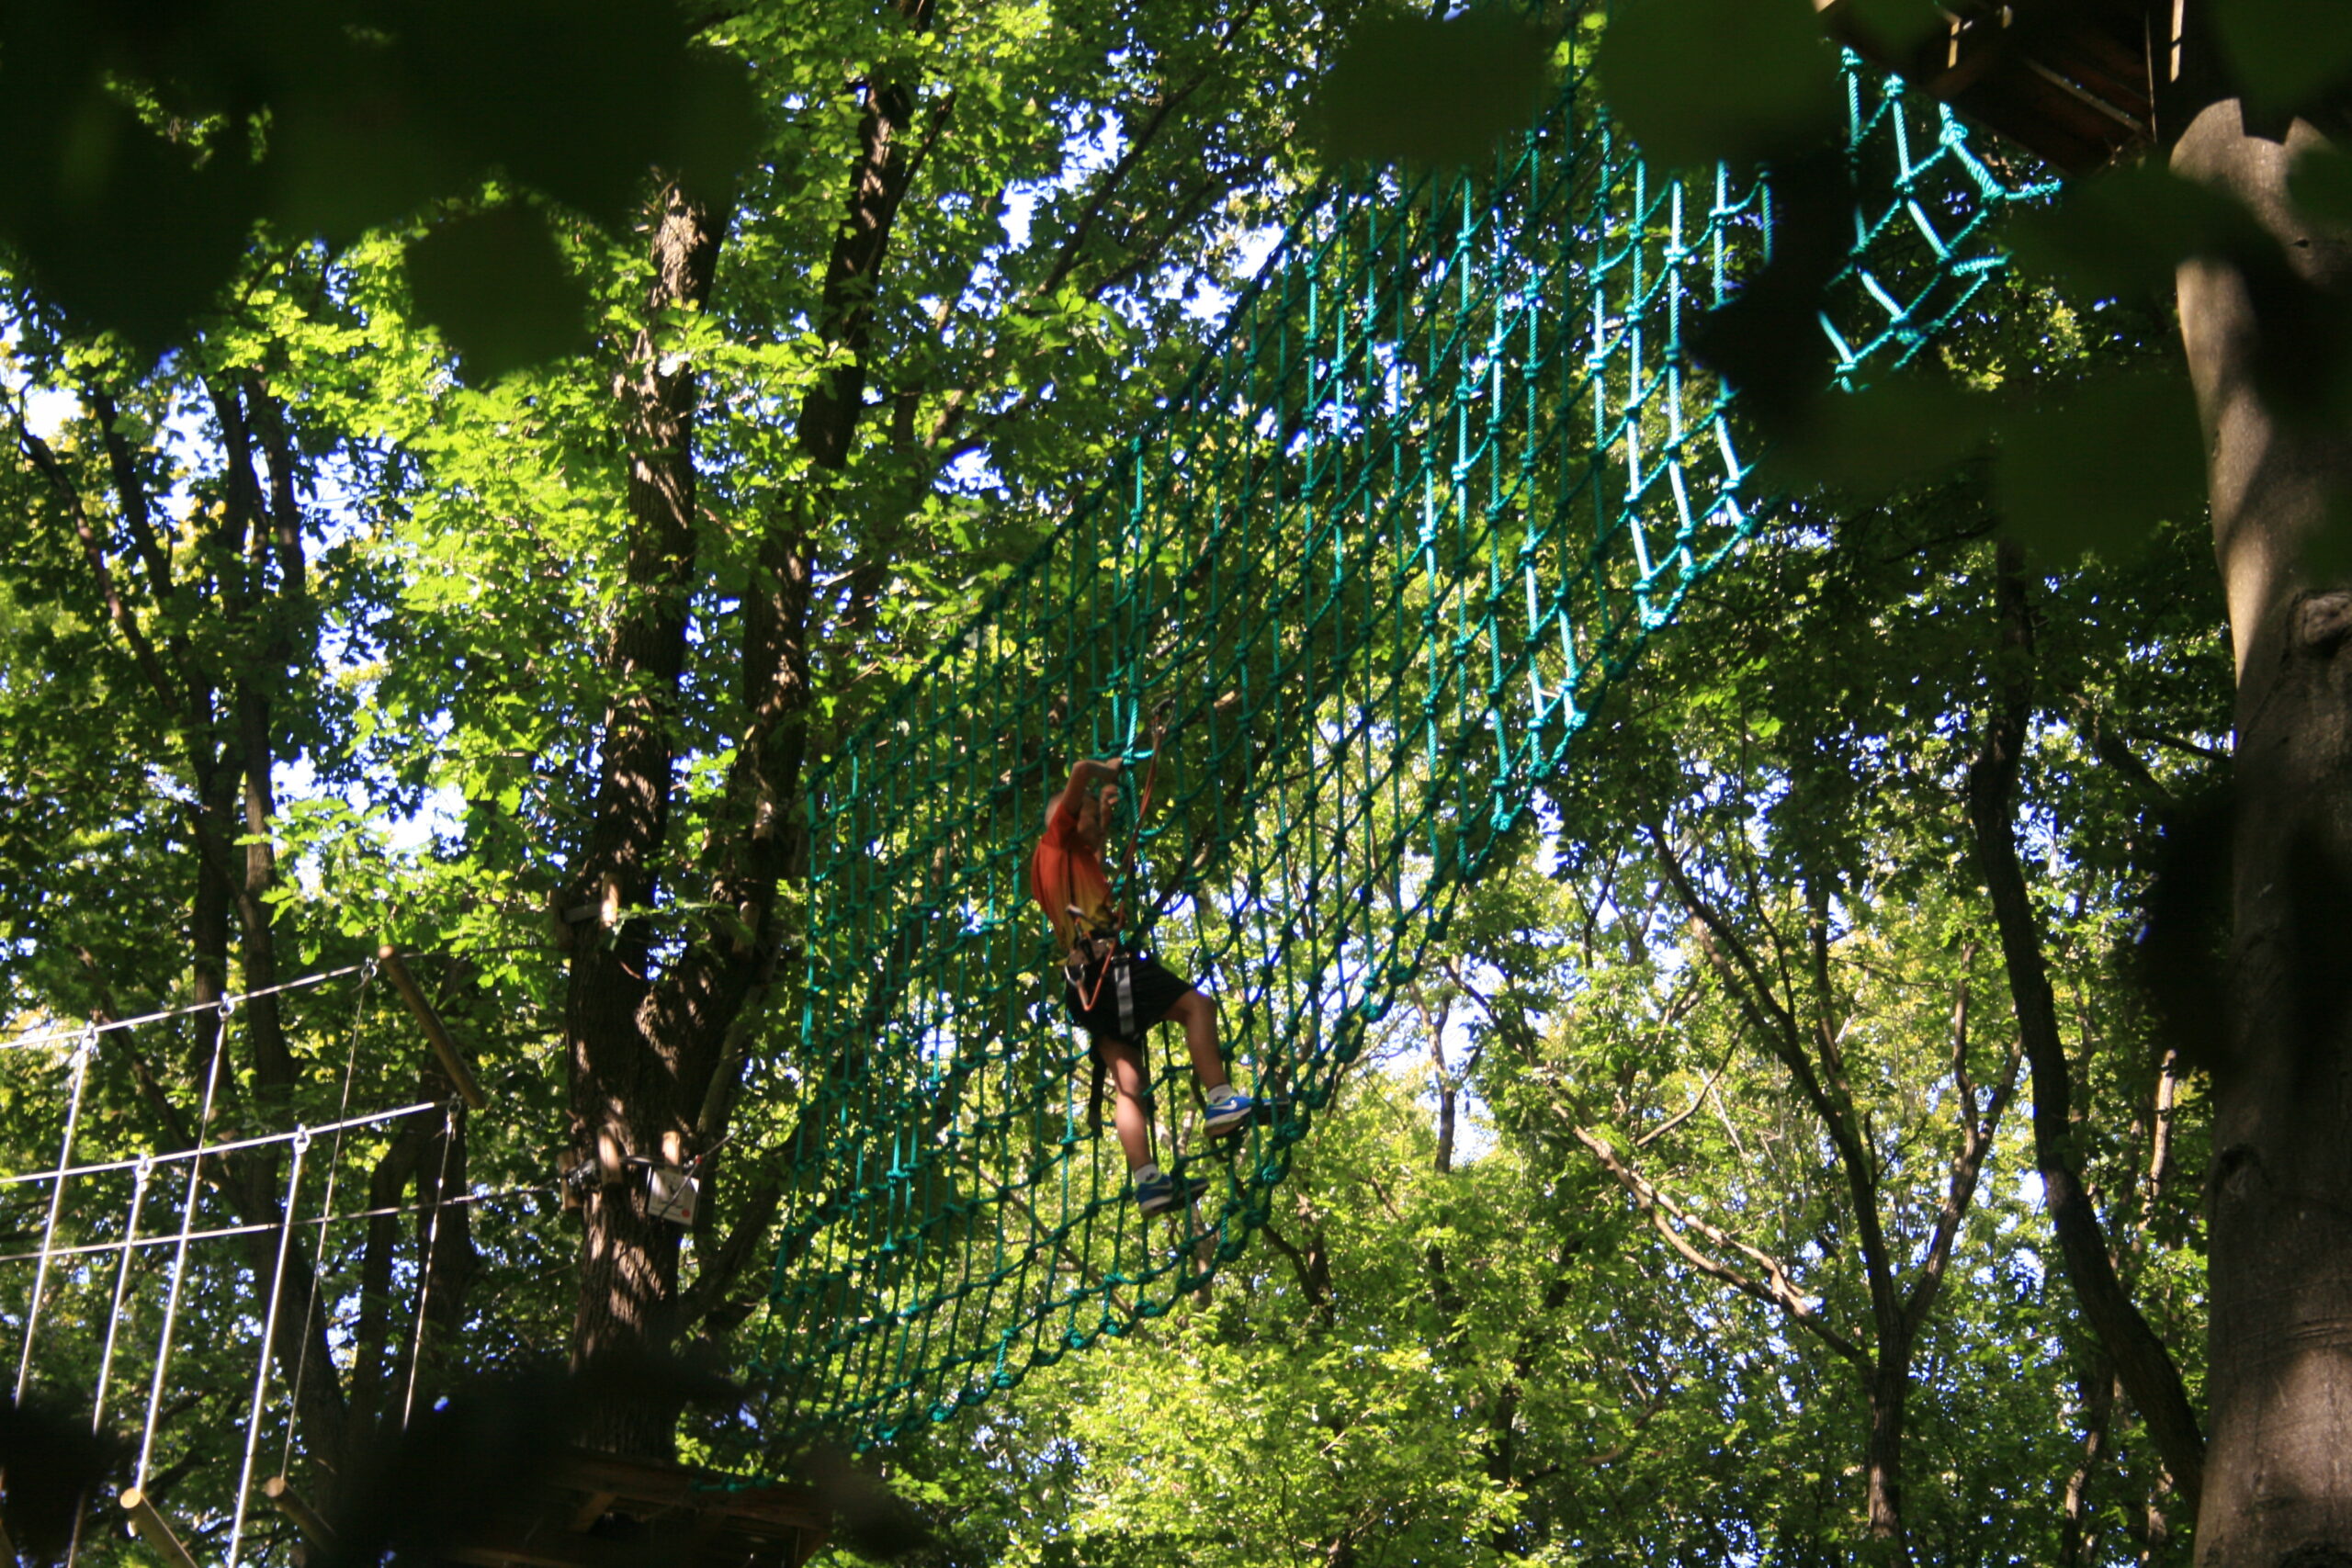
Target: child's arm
x,y
1087,772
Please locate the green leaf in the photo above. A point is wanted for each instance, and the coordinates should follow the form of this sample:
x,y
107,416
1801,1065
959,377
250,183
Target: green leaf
x,y
1430,90
2095,472
1698,81
2286,54
2124,233
2327,558
2321,185
122,228
1877,441
1893,28
494,286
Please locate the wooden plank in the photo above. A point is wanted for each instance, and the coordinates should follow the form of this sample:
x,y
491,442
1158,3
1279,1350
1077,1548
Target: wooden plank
x,y
503,1546
2120,82
598,1505
1952,62
444,1047
2117,78
150,1527
2113,123
2068,79
2119,50
554,1523
673,1486
508,1545
315,1530
1998,105
2055,102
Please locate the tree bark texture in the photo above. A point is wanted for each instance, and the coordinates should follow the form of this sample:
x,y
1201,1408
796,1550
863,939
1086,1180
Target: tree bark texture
x,y
627,1098
878,182
2278,1472
654,1060
1890,1390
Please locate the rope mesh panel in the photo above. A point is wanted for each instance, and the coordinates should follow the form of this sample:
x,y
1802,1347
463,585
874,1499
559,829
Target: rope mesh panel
x,y
1447,469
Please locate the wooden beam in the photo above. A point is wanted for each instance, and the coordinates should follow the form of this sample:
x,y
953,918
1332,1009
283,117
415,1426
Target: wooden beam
x,y
444,1047
315,1530
510,1543
2069,79
674,1486
149,1526
598,1505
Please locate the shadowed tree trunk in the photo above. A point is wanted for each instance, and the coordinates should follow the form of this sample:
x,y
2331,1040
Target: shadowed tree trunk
x,y
654,1059
628,1099
2278,1475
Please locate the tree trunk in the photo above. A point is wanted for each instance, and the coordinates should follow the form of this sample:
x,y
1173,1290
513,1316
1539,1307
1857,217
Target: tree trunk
x,y
1890,1388
2076,1525
2139,1357
627,1099
2278,1475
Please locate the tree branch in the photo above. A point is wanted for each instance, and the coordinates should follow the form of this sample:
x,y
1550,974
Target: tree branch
x,y
1975,1142
142,650
1318,1293
1775,1288
2142,1362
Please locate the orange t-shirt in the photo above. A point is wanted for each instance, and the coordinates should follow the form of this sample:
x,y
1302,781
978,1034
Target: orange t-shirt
x,y
1065,870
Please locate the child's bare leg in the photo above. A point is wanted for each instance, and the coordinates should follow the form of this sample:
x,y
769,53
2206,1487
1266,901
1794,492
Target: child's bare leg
x,y
1197,1013
1128,1086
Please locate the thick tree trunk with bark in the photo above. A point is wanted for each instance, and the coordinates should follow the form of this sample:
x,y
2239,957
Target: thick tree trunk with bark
x,y
628,1099
654,1059
2278,1475
1890,1390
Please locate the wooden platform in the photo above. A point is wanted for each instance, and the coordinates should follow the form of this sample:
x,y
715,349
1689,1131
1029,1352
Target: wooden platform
x,y
597,1511
2075,82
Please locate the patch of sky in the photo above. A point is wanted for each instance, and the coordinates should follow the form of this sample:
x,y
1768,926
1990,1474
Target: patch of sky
x,y
47,410
1087,150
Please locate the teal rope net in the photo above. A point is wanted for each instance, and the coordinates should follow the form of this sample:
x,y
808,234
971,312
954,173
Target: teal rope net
x,y
1375,566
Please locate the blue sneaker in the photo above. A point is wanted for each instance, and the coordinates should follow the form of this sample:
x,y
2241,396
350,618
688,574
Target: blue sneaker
x,y
1155,1195
1232,1114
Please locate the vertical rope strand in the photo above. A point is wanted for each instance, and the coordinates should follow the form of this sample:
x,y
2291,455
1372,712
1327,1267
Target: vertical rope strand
x,y
140,1177
326,1210
268,1338
179,1253
84,1049
424,1266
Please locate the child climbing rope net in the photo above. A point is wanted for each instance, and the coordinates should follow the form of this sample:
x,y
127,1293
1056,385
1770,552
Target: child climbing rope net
x,y
1114,989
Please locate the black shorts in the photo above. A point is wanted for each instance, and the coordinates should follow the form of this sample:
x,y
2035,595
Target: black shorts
x,y
1134,996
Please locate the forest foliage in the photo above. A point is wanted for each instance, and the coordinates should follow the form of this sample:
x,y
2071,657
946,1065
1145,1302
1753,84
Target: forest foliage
x,y
1690,1213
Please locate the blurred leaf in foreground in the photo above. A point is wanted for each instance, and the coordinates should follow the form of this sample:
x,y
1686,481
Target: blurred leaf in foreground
x,y
2095,470
1870,443
2124,233
2287,55
1698,80
496,289
1430,90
